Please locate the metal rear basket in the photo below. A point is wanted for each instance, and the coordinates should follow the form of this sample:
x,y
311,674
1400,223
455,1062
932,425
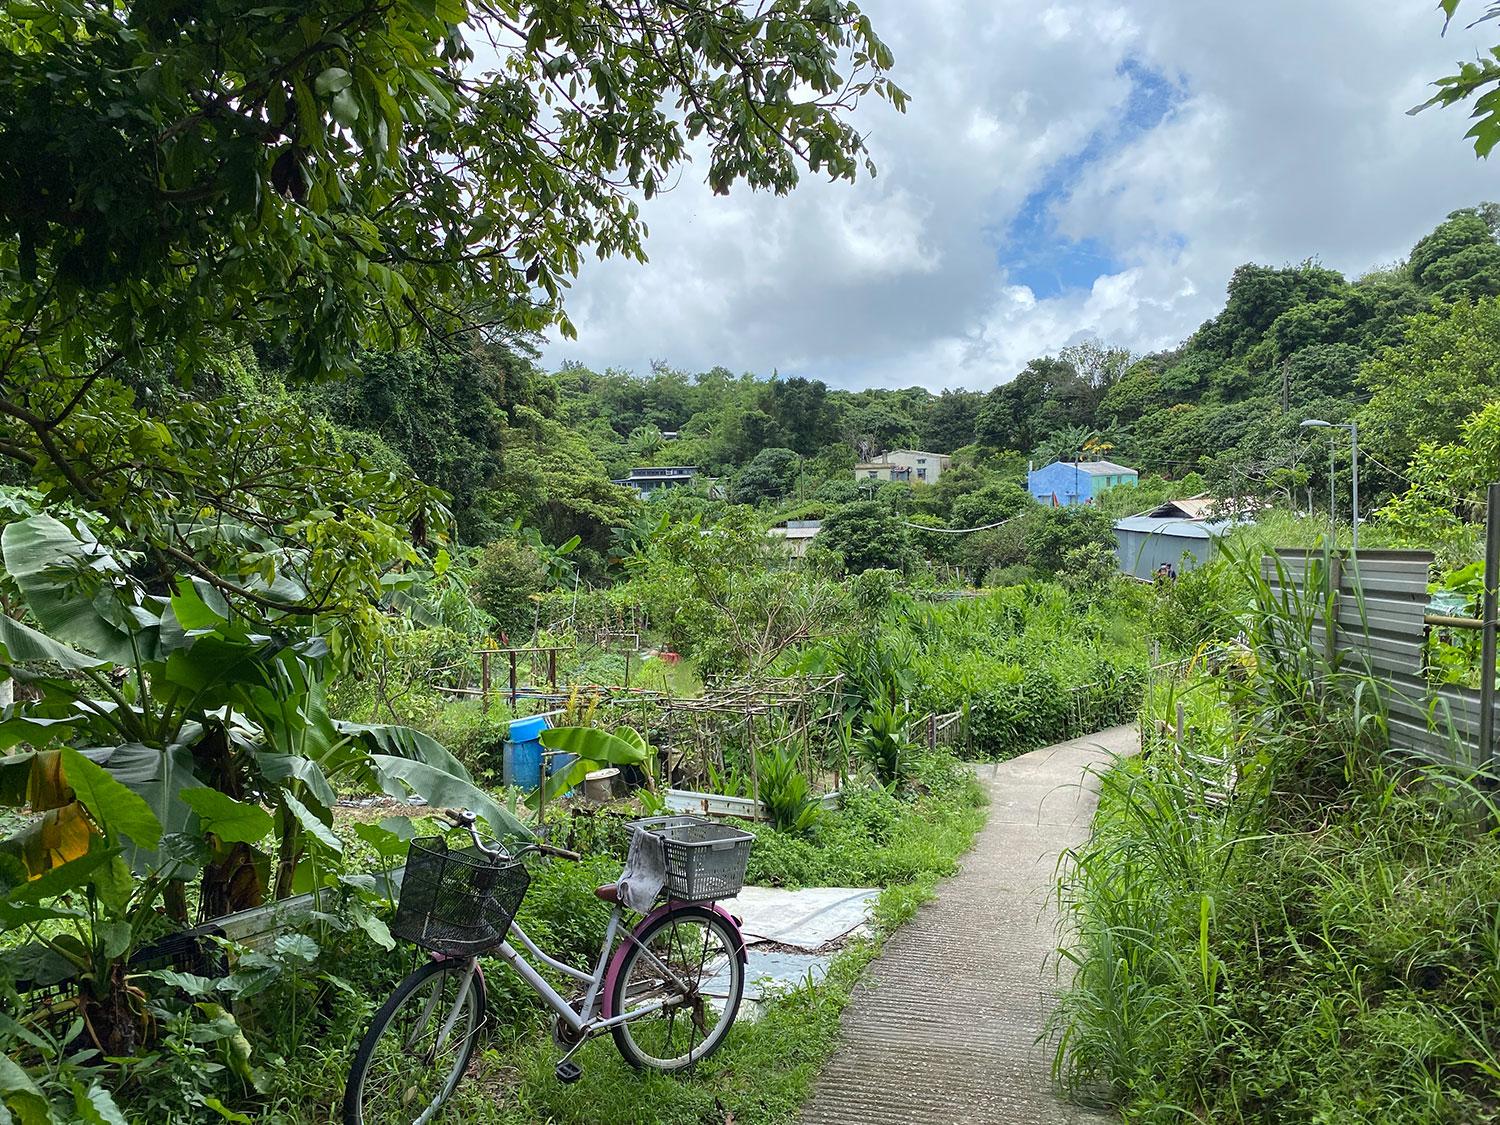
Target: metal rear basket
x,y
705,860
457,901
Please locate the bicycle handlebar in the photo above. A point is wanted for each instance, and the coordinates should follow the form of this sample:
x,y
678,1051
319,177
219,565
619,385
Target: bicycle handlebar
x,y
464,818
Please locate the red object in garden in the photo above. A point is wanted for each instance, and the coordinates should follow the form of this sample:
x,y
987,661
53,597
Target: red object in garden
x,y
671,657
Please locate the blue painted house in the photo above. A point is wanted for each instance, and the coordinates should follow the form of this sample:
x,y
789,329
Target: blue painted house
x,y
1064,483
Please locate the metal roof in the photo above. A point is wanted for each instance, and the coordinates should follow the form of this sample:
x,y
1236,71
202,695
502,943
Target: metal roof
x,y
1099,468
1177,528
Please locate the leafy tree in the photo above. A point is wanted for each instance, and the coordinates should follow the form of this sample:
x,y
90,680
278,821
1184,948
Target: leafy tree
x,y
845,490
991,503
1257,296
1143,388
1448,479
505,576
709,590
443,412
331,176
1321,371
867,535
876,423
1097,364
1007,419
552,481
1446,370
951,424
804,413
1460,259
770,475
1052,533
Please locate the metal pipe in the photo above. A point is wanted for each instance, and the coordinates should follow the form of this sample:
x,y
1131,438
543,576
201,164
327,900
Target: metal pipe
x,y
1333,503
1354,459
1487,657
1446,622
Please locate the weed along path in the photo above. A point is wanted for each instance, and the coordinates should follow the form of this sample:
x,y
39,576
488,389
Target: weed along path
x,y
944,1027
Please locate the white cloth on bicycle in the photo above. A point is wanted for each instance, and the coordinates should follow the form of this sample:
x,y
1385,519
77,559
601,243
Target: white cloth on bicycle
x,y
645,871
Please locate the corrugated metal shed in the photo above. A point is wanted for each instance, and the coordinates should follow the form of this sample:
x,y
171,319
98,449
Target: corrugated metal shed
x,y
1144,543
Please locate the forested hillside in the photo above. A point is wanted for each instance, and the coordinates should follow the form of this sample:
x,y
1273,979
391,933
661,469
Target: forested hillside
x,y
1409,351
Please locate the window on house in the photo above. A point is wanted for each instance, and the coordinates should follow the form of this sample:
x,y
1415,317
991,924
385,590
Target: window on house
x,y
921,474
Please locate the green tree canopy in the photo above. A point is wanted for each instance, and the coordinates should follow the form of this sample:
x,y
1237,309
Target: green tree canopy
x,y
1423,390
341,174
867,535
770,475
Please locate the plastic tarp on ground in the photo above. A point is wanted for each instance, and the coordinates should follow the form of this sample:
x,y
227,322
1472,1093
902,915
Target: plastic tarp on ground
x,y
807,919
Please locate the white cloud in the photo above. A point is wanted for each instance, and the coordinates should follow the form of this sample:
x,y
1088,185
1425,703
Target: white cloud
x,y
1288,140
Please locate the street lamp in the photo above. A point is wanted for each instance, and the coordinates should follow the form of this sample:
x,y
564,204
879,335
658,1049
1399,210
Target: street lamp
x,y
1353,428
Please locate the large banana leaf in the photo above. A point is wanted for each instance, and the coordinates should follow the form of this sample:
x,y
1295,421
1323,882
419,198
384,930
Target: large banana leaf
x,y
592,748
405,742
597,745
21,644
47,560
399,776
114,807
157,776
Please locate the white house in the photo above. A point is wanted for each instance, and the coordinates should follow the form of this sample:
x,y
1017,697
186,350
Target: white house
x,y
909,466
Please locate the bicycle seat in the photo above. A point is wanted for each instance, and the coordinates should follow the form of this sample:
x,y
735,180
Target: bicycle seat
x,y
610,892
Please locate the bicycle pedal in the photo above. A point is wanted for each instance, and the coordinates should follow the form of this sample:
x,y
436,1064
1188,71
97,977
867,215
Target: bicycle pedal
x,y
569,1072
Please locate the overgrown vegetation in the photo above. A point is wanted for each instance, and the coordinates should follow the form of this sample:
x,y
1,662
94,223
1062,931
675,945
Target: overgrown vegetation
x,y
1277,918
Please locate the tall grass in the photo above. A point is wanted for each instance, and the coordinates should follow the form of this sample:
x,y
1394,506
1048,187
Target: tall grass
x,y
1323,945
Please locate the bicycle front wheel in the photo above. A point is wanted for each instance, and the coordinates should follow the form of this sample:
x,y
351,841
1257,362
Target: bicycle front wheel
x,y
683,982
416,1051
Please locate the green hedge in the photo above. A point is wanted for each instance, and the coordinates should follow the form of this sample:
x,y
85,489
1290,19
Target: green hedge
x,y
1040,709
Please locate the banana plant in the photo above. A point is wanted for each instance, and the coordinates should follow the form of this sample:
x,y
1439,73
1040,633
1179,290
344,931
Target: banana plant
x,y
172,691
593,748
560,568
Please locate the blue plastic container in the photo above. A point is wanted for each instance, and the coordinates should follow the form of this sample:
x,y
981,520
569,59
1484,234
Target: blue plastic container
x,y
521,759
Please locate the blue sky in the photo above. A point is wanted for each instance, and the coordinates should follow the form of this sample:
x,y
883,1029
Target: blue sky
x,y
1067,170
1033,251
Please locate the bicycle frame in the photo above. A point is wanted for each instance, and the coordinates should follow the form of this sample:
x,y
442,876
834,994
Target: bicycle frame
x,y
593,1016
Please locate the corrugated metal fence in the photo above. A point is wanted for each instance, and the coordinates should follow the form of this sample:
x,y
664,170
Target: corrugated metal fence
x,y
1380,623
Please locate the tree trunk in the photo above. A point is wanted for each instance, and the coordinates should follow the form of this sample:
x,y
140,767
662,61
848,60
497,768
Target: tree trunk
x,y
234,882
113,1018
237,877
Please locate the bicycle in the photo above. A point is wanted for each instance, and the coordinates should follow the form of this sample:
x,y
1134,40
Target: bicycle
x,y
685,956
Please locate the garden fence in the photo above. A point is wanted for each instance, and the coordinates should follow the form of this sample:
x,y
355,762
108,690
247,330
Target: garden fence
x,y
1376,619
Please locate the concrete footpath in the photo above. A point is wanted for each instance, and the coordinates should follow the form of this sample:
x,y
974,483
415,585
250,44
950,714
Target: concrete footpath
x,y
943,1028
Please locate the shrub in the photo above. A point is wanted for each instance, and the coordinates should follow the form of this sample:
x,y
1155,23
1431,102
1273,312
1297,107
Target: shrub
x,y
867,534
785,792
882,739
505,576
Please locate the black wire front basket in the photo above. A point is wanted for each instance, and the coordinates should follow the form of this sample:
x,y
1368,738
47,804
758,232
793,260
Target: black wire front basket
x,y
457,902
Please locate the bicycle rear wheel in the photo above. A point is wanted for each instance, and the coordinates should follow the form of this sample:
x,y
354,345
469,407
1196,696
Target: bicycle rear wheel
x,y
679,1024
417,1049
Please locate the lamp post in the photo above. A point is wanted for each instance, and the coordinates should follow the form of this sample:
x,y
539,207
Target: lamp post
x,y
1353,428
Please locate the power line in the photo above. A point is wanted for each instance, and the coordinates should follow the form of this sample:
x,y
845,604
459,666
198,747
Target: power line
x,y
1417,484
958,530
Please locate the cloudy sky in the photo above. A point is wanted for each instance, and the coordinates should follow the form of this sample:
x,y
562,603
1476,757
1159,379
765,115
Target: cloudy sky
x,y
1065,170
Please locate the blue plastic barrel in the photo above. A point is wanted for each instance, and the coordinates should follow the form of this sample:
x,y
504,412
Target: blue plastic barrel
x,y
521,758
